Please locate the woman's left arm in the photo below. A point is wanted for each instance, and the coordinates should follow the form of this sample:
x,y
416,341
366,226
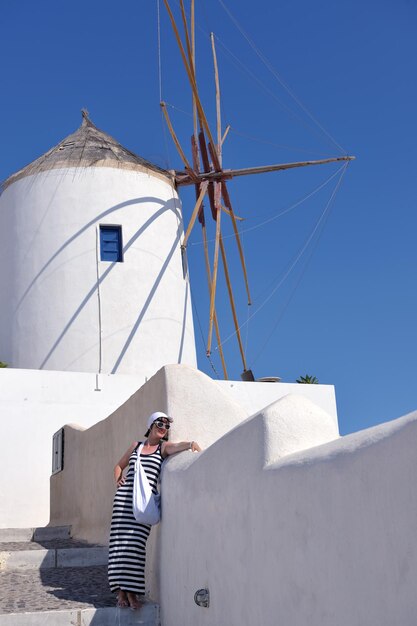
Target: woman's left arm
x,y
172,448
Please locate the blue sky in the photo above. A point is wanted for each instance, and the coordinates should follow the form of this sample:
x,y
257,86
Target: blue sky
x,y
347,310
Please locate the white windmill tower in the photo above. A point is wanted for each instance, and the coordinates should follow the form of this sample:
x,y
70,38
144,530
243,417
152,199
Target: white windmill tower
x,y
91,271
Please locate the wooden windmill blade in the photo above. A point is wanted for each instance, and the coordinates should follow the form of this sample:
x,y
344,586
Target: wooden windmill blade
x,y
225,193
214,195
183,179
190,51
193,65
228,282
218,207
217,195
203,190
218,109
192,81
228,204
206,255
190,38
206,169
181,152
232,303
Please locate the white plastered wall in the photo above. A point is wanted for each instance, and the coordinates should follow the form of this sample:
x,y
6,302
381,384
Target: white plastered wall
x,y
319,536
33,406
257,395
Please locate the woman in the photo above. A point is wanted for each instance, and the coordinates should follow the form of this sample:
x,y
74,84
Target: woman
x,y
127,549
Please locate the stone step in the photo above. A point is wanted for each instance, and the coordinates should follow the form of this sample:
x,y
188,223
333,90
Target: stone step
x,y
109,616
48,533
53,544
86,556
65,597
16,534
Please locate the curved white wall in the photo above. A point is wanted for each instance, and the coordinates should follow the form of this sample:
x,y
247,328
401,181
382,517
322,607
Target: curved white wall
x,y
323,536
50,280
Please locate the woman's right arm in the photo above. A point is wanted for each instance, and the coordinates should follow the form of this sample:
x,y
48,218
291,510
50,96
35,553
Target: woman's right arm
x,y
122,464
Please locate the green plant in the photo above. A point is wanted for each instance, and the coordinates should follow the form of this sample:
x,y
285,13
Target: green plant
x,y
3,364
307,380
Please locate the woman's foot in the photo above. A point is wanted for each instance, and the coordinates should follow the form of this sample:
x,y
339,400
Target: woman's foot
x,y
122,601
134,602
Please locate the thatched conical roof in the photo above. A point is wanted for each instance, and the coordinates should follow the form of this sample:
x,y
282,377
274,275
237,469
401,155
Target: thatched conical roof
x,y
88,147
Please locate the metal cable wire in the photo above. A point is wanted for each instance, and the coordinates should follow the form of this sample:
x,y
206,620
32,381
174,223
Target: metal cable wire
x,y
159,50
273,71
294,263
297,283
213,367
284,212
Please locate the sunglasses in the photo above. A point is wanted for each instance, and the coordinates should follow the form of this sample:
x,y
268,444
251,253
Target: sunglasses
x,y
159,424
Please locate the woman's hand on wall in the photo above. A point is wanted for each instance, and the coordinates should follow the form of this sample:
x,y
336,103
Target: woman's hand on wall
x,y
172,448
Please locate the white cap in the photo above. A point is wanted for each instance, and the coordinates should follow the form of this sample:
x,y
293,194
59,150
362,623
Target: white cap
x,y
158,415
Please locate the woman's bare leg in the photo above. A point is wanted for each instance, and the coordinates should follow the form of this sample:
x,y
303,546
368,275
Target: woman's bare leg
x,y
134,602
122,601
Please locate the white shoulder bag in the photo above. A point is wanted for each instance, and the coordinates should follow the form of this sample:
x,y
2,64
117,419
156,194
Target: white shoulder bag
x,y
146,505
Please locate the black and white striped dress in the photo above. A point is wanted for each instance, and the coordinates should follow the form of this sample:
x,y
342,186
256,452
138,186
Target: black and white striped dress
x,y
127,548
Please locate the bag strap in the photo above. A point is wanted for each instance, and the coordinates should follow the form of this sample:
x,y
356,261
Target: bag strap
x,y
139,447
142,444
138,465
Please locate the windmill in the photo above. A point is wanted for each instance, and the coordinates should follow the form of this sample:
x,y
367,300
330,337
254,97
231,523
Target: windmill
x,y
206,172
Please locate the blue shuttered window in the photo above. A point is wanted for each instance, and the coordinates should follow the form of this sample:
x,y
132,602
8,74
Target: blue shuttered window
x,y
111,243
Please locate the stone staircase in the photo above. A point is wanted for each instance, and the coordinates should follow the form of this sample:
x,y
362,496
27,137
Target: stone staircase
x,y
48,578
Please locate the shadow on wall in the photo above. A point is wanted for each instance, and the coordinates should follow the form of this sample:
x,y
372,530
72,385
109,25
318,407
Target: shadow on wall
x,y
80,232
168,206
152,291
184,319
